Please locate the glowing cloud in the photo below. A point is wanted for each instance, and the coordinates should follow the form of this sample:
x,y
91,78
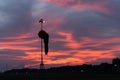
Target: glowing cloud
x,y
82,4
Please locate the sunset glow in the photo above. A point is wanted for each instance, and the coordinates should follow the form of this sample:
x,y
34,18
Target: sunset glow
x,y
81,31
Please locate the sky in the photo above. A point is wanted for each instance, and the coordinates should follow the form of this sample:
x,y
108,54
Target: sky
x,y
81,32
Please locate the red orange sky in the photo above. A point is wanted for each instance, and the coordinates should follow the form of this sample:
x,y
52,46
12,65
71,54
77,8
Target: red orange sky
x,y
81,31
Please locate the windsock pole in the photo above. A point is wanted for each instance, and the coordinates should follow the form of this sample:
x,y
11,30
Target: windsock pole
x,y
41,58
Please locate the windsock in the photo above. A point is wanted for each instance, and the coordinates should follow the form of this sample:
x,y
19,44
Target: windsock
x,y
45,36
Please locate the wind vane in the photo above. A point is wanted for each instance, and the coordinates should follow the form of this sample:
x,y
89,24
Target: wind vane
x,y
44,36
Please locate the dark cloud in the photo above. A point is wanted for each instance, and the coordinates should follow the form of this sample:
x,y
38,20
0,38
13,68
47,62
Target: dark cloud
x,y
61,56
95,48
116,53
110,44
11,53
16,17
11,58
91,24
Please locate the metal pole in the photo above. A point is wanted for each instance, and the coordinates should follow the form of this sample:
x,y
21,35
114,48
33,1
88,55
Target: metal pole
x,y
41,25
42,62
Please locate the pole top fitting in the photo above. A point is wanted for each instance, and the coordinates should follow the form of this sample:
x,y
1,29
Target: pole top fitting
x,y
41,21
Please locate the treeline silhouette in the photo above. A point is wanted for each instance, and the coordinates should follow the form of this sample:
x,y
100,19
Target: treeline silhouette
x,y
86,72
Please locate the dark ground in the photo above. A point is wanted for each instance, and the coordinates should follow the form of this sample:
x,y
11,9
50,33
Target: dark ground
x,y
60,76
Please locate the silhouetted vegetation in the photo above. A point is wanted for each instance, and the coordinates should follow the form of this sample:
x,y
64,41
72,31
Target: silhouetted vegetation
x,y
104,71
